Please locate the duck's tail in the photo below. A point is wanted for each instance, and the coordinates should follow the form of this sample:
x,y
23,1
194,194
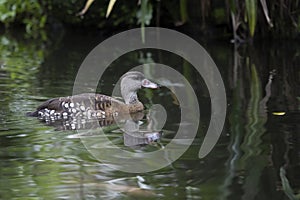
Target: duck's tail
x,y
32,114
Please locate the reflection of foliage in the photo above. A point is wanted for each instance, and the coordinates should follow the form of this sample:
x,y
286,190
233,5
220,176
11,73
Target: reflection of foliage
x,y
255,151
20,62
252,161
249,152
29,13
18,56
248,140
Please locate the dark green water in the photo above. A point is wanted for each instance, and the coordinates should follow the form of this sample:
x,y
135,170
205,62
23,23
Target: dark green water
x,y
256,157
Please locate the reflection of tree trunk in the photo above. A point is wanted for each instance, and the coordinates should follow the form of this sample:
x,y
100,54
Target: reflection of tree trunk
x,y
158,13
205,4
236,63
288,90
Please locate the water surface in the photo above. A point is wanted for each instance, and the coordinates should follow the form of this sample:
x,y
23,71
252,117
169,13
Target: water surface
x,y
257,156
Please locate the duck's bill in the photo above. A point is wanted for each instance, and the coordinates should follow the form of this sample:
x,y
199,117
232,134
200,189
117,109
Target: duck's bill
x,y
148,84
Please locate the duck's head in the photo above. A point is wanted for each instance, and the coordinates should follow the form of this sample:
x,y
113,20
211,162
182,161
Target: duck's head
x,y
131,82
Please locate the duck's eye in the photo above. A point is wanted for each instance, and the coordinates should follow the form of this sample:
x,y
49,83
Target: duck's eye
x,y
148,84
145,82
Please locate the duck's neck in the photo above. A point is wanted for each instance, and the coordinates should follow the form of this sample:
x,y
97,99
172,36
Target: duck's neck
x,y
130,98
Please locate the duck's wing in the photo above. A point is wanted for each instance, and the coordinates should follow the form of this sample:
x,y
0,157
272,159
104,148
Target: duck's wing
x,y
80,102
98,102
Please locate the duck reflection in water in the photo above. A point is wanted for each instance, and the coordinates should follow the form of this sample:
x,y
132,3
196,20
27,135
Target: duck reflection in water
x,y
137,128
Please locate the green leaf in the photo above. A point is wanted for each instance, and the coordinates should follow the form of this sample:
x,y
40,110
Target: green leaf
x,y
266,12
183,11
232,6
251,9
110,7
144,16
87,5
